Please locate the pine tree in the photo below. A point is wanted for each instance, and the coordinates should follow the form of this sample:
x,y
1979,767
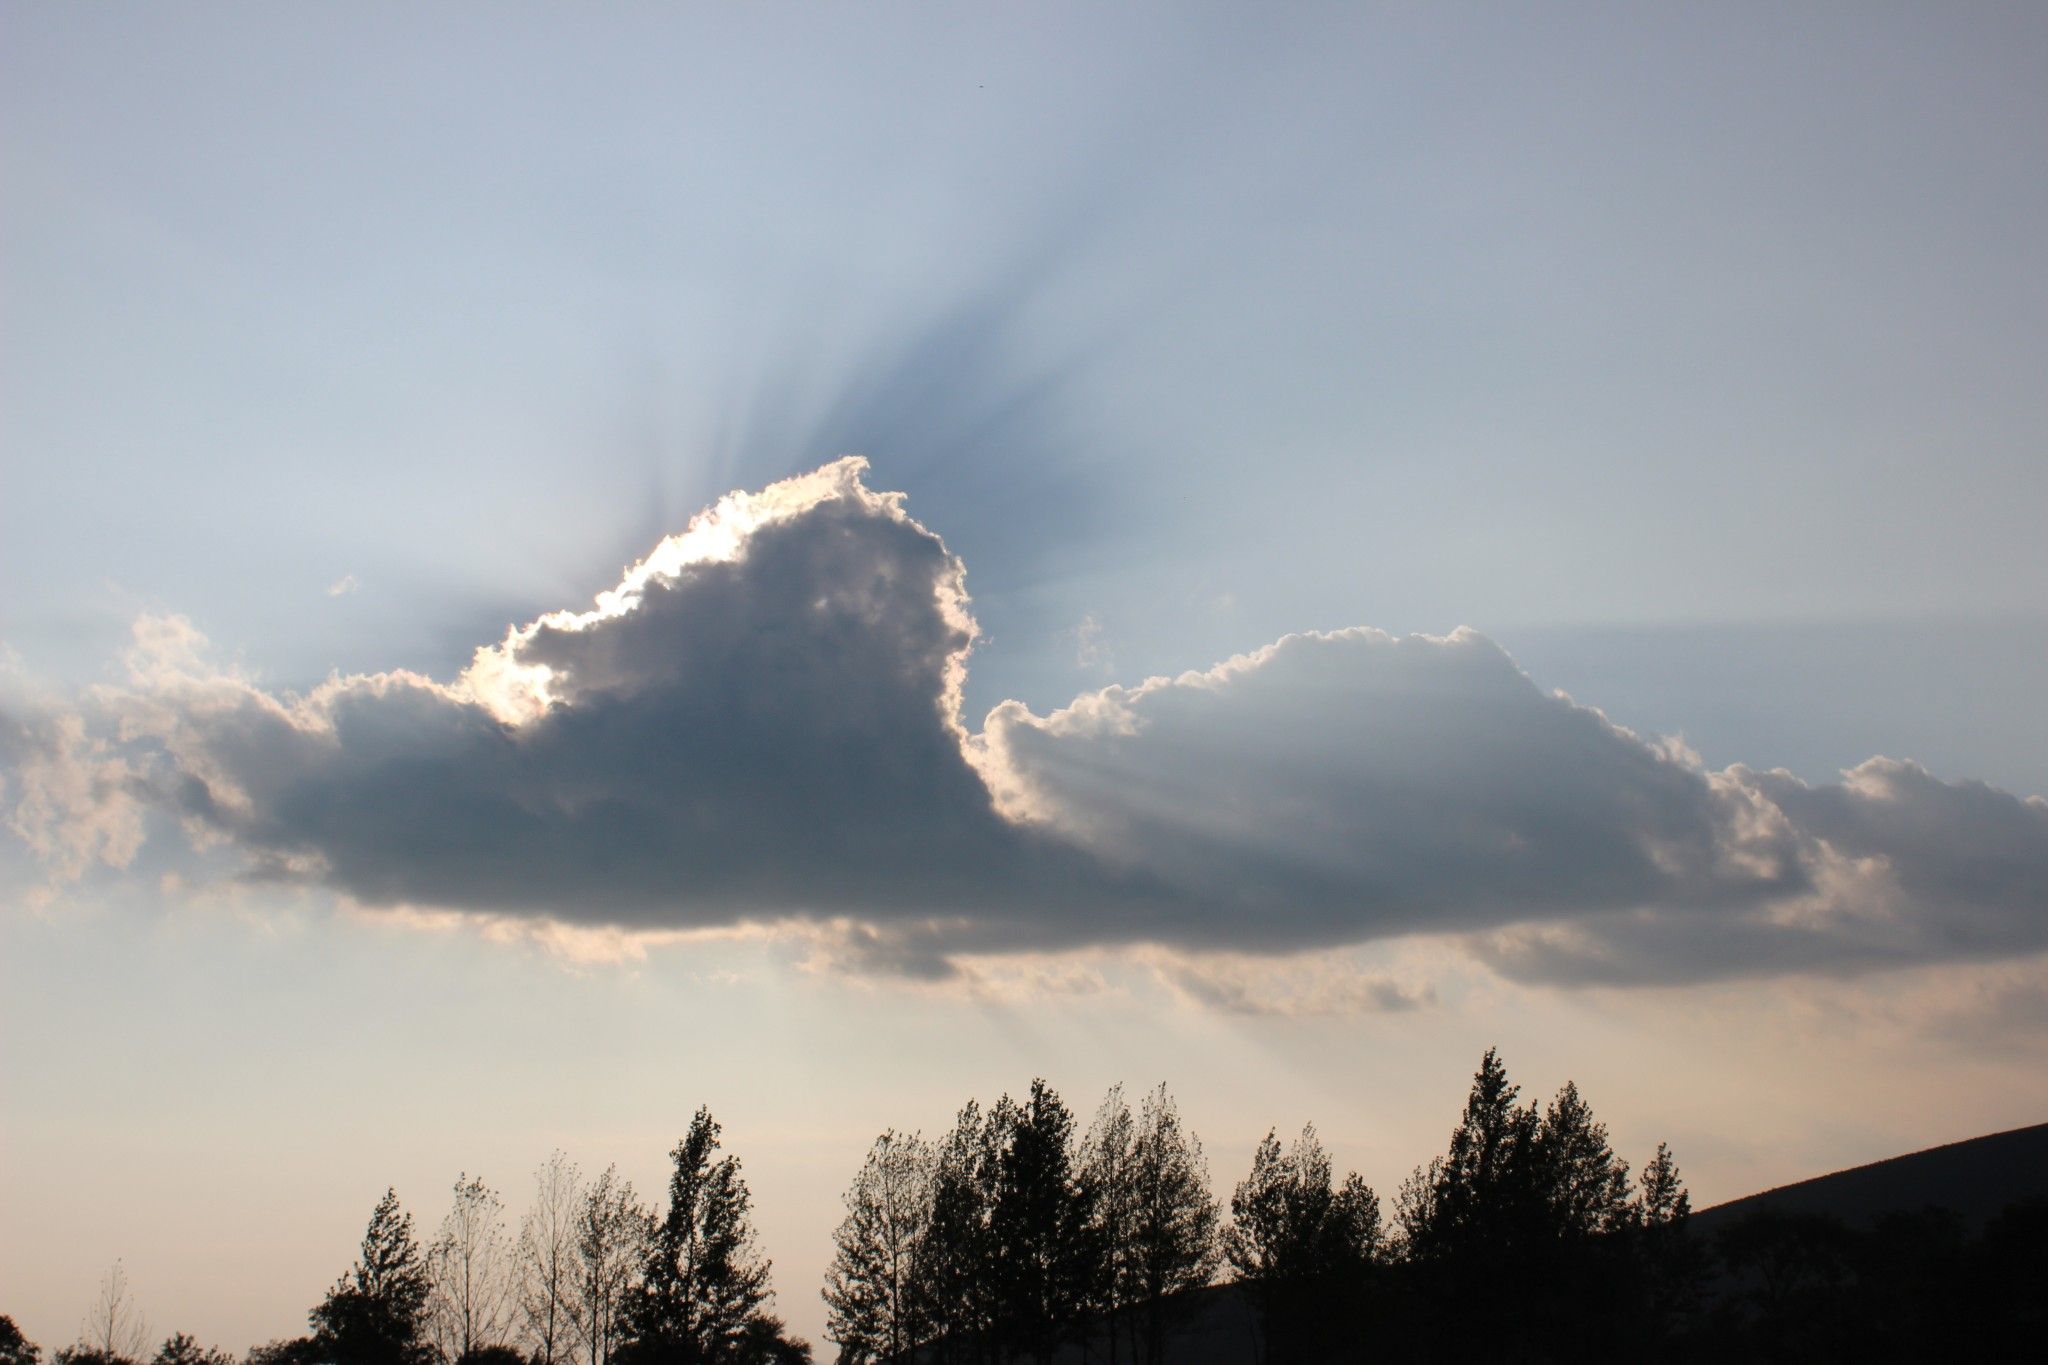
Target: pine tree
x,y
874,1312
1048,1258
1664,1202
703,1282
376,1314
1583,1184
1482,1193
1669,1260
1526,1225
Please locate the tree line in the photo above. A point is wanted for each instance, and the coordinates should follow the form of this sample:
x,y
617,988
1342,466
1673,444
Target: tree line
x,y
1014,1228
1018,1234
593,1277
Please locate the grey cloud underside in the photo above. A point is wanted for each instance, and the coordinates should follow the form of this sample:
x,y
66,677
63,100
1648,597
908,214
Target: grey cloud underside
x,y
771,737
756,739
1918,870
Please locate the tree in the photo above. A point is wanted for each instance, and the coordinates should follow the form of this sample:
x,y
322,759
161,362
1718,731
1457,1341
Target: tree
x,y
113,1328
286,1351
546,1260
180,1348
704,1281
493,1355
1108,1166
952,1287
376,1314
16,1349
1583,1185
1525,1227
1664,1202
1301,1246
874,1312
1047,1255
1669,1259
1476,1202
1168,1241
612,1232
471,1265
767,1342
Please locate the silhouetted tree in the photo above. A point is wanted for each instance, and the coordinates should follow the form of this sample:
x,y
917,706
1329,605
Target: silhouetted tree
x,y
874,1312
286,1351
1047,1253
1301,1246
491,1355
1670,1261
113,1328
376,1314
952,1286
704,1282
545,1261
16,1349
1477,1201
1576,1263
1108,1167
767,1342
1524,1229
180,1348
612,1232
1664,1202
471,1269
1584,1186
1167,1242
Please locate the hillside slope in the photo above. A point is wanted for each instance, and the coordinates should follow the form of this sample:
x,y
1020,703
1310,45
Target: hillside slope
x,y
1977,1178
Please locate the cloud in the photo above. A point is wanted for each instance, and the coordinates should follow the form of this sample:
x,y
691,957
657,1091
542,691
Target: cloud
x,y
343,586
1090,650
1290,989
1332,787
70,796
1903,869
761,725
759,721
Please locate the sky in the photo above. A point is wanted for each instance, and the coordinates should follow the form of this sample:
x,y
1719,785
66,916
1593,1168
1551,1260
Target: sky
x,y
561,565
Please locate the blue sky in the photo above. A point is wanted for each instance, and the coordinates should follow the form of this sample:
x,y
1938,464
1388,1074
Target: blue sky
x,y
1693,357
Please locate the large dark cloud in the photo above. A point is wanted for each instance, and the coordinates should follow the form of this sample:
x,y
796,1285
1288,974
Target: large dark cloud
x,y
761,723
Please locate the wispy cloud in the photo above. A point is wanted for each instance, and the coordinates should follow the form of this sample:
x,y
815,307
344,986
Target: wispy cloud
x,y
1091,650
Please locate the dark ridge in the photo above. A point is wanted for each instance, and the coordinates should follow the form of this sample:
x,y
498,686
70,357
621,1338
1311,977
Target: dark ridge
x,y
1976,1178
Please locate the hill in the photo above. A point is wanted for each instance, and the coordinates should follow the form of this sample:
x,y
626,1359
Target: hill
x,y
1976,1178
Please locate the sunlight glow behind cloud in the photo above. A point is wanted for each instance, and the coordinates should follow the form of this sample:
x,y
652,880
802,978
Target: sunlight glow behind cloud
x,y
758,730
